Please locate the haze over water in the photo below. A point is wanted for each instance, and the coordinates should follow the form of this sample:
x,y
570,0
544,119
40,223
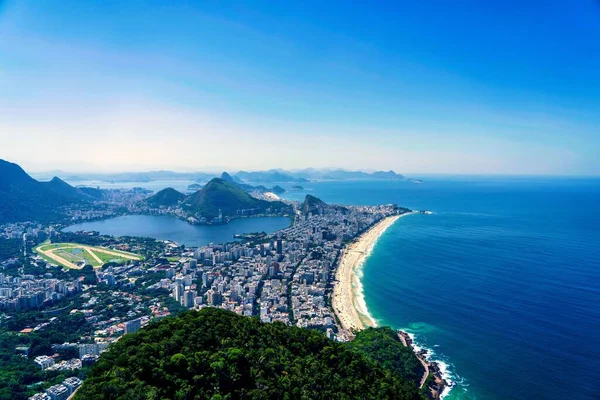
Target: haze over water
x,y
502,282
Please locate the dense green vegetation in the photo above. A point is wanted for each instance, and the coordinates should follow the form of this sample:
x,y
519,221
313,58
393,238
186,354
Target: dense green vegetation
x,y
25,199
62,188
384,346
216,354
10,248
166,198
17,372
228,197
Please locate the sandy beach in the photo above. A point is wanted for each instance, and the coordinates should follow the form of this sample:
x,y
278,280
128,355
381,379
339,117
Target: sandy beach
x,y
350,307
348,303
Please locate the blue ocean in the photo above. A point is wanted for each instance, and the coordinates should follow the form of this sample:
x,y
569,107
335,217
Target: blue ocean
x,y
501,283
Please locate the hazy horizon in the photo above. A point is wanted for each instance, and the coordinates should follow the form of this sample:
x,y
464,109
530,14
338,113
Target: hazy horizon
x,y
416,88
220,170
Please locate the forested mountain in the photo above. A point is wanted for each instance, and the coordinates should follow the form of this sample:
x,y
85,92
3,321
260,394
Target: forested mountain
x,y
217,354
313,205
62,188
228,197
382,345
166,197
226,177
22,198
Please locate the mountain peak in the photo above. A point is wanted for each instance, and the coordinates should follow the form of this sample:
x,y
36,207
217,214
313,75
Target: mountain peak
x,y
11,173
220,196
226,177
313,205
25,199
57,181
166,197
62,188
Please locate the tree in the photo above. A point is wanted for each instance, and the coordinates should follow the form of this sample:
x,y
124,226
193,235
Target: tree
x,y
218,354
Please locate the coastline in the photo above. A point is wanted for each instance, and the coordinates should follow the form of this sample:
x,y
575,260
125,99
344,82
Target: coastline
x,y
347,304
351,310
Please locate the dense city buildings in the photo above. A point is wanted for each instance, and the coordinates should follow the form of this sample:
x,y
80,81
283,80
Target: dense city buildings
x,y
284,277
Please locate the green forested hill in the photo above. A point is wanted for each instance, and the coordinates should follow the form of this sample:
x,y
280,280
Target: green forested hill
x,y
226,196
383,345
216,354
62,188
313,205
166,197
22,198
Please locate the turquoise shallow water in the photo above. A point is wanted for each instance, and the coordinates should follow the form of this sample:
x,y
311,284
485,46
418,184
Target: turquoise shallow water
x,y
502,282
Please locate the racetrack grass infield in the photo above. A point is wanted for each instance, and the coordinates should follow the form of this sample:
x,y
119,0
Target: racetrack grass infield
x,y
80,255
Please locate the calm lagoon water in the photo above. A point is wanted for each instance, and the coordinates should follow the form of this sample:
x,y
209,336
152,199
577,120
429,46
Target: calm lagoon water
x,y
171,228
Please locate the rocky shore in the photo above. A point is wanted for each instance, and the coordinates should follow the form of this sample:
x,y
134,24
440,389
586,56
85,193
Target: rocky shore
x,y
433,378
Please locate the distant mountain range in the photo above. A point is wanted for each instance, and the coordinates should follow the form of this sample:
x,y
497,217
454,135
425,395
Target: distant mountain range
x,y
267,177
224,195
341,174
23,198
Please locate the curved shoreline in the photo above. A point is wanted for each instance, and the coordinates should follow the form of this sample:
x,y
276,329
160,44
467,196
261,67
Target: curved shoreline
x,y
348,305
350,308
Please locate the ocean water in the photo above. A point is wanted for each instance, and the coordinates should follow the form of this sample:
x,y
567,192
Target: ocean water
x,y
171,228
156,185
501,283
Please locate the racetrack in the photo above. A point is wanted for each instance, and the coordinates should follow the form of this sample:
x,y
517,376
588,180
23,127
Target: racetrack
x,y
54,253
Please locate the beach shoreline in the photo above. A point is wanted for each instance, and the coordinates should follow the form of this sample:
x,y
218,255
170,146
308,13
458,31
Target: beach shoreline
x,y
350,307
348,304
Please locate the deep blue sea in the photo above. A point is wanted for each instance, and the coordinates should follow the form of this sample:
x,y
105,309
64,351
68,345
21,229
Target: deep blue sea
x,y
501,282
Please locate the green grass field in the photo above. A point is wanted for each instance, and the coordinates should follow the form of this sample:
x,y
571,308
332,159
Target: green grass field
x,y
74,255
77,255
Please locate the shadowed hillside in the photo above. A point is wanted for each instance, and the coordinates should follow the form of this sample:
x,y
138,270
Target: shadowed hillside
x,y
25,199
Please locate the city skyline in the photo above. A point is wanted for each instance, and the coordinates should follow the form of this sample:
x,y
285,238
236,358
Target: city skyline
x,y
414,88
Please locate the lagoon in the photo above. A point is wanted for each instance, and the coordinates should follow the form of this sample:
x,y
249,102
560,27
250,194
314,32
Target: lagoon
x,y
171,228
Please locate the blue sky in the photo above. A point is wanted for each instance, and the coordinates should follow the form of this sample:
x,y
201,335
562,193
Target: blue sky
x,y
429,87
